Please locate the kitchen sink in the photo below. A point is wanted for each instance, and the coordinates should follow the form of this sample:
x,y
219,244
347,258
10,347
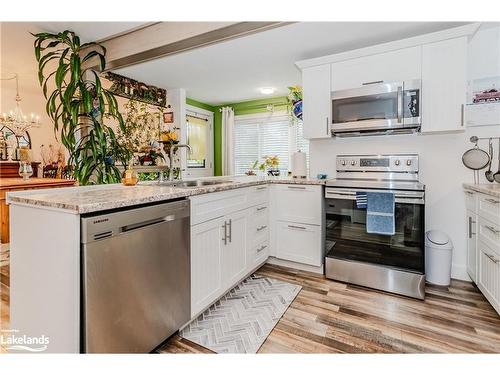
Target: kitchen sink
x,y
194,183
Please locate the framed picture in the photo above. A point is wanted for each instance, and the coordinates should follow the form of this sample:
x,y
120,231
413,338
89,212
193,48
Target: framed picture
x,y
168,117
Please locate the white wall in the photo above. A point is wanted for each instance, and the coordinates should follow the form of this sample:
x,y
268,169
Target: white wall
x,y
17,56
441,167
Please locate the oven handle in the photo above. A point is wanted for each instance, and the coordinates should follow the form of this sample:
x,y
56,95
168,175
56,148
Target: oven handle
x,y
399,197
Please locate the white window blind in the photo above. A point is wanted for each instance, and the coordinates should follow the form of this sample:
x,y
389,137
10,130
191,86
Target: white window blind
x,y
266,135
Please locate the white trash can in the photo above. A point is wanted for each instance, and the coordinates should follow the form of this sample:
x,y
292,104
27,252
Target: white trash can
x,y
438,251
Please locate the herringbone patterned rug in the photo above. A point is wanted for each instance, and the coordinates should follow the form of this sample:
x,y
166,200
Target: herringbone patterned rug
x,y
241,320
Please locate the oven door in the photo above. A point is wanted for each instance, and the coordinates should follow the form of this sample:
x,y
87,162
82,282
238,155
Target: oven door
x,y
347,239
376,106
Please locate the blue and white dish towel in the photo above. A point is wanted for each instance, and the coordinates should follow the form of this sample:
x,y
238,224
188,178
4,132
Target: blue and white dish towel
x,y
380,213
361,199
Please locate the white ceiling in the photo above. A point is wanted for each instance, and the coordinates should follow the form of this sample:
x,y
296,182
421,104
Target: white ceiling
x,y
88,31
233,71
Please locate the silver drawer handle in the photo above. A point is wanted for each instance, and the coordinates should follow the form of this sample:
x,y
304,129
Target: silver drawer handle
x,y
261,228
261,208
492,229
297,187
492,258
372,83
261,248
469,192
261,188
296,227
492,201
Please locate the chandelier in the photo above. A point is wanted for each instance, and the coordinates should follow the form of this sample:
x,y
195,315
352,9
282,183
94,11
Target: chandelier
x,y
15,120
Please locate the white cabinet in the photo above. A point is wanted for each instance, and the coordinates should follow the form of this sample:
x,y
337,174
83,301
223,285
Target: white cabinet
x,y
300,243
483,244
316,110
229,239
444,85
234,249
489,274
298,233
206,263
472,245
393,66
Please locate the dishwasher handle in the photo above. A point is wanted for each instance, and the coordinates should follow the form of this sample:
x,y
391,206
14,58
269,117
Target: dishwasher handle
x,y
102,226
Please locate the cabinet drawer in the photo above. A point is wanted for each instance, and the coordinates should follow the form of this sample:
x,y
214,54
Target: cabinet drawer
x,y
471,200
258,194
259,229
489,208
489,275
299,203
299,243
489,233
209,206
259,253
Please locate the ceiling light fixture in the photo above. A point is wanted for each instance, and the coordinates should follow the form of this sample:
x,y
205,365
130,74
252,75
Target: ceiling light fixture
x,y
267,90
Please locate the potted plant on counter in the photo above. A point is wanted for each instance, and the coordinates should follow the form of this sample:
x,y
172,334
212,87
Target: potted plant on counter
x,y
270,164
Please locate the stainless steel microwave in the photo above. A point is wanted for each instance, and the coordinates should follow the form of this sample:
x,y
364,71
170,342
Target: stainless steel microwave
x,y
377,108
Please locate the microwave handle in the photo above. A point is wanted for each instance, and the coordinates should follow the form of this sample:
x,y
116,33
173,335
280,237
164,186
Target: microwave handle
x,y
400,104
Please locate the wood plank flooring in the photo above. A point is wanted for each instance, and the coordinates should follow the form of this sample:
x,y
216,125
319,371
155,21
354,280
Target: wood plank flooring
x,y
334,317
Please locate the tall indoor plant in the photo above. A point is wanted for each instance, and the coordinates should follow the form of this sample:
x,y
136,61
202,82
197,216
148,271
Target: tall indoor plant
x,y
78,105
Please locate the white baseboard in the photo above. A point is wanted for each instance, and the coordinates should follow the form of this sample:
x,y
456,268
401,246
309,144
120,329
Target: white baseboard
x,y
459,271
297,266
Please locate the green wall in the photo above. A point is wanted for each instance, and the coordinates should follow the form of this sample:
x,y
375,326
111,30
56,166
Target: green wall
x,y
241,108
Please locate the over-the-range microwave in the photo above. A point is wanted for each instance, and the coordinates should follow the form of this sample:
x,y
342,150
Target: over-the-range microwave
x,y
377,108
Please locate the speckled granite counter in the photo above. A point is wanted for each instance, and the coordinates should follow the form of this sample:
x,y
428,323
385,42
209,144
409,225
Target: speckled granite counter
x,y
492,189
87,199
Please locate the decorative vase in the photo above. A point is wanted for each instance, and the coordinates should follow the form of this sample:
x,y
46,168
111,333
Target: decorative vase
x,y
25,170
130,176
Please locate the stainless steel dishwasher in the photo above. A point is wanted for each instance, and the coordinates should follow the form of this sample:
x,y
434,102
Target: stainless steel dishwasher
x,y
135,277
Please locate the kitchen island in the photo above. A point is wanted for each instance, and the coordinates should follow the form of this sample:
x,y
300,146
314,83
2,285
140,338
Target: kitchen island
x,y
46,276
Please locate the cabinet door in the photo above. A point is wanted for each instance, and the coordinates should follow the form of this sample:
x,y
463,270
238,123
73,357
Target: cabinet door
x,y
400,65
299,243
472,245
489,275
206,263
316,101
444,85
234,250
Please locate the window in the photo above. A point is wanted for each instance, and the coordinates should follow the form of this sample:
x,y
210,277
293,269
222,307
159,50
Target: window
x,y
197,139
256,136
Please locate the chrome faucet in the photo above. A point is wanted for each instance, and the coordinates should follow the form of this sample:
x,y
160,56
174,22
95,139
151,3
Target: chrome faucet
x,y
171,158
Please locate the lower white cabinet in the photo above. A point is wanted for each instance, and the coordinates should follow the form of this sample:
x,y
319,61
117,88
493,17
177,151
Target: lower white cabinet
x,y
228,246
471,245
300,243
234,249
483,244
489,274
206,263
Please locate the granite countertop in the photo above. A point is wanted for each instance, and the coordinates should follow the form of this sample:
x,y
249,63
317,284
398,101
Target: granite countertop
x,y
492,189
87,199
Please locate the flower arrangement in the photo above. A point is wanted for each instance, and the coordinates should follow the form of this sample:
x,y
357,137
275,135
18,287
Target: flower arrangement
x,y
269,163
169,136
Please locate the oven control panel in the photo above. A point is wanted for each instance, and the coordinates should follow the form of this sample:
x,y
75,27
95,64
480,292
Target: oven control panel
x,y
378,163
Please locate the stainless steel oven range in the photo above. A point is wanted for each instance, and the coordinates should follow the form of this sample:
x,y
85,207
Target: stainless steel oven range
x,y
393,263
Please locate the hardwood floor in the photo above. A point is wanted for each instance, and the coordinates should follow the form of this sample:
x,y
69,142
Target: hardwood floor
x,y
334,317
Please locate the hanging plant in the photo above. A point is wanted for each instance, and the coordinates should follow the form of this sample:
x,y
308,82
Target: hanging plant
x,y
78,104
295,100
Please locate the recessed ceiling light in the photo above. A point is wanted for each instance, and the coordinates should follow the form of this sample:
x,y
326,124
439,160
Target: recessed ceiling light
x,y
267,90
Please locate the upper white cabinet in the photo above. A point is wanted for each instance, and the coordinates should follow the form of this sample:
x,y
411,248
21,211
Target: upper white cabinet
x,y
316,109
444,85
394,66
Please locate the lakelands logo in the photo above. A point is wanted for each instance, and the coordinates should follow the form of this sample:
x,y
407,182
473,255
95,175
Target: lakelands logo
x,y
13,341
